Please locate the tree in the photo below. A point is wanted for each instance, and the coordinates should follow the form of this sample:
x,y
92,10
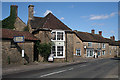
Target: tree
x,y
44,49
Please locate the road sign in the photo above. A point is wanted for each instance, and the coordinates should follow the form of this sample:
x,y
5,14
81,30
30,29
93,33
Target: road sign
x,y
18,39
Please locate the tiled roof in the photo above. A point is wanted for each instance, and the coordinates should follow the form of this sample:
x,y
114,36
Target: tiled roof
x,y
9,34
49,22
112,42
90,37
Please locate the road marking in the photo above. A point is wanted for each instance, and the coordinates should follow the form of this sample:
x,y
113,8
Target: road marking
x,y
53,73
56,72
71,69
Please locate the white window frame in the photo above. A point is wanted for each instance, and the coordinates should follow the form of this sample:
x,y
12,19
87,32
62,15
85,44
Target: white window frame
x,y
103,46
89,53
56,35
76,52
57,51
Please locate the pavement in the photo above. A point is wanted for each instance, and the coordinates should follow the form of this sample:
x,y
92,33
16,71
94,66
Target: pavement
x,y
10,69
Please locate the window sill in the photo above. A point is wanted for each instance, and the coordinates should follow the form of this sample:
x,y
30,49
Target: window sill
x,y
59,57
57,40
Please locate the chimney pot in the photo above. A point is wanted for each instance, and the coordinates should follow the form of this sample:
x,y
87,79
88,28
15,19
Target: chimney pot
x,y
93,31
100,33
111,37
30,6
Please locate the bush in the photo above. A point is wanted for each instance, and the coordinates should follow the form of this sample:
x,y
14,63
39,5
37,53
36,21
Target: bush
x,y
44,49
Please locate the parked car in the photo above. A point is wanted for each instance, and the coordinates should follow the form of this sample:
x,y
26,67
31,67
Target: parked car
x,y
51,58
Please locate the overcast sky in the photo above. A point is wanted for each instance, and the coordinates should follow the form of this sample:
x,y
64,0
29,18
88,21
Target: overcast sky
x,y
81,16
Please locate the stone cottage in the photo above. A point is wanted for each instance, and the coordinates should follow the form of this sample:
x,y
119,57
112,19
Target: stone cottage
x,y
51,29
13,21
12,51
113,47
89,44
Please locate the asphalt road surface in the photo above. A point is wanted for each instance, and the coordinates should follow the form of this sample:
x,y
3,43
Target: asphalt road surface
x,y
103,68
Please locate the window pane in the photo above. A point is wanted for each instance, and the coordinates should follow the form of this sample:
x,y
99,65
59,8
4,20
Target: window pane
x,y
89,44
59,50
103,52
59,35
103,46
78,52
98,53
59,53
91,52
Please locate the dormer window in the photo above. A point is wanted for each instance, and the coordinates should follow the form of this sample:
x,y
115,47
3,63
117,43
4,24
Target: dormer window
x,y
58,35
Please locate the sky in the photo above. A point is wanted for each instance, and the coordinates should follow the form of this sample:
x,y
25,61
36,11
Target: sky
x,y
80,16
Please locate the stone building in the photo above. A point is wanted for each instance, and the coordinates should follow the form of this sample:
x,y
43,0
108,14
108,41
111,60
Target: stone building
x,y
113,47
51,29
12,51
67,43
89,44
13,21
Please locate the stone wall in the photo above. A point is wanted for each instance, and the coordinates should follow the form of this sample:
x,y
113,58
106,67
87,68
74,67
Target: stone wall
x,y
78,44
19,24
69,46
44,36
113,50
13,53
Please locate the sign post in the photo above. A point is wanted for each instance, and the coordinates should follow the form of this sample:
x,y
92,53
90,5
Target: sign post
x,y
20,39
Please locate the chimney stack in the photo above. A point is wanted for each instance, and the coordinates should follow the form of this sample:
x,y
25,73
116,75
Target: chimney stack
x,y
31,12
100,33
13,10
112,38
93,31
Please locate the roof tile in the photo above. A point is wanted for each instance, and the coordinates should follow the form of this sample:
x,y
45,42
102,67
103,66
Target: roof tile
x,y
9,33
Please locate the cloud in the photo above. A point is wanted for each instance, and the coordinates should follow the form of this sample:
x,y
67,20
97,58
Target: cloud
x,y
62,18
98,17
47,12
99,24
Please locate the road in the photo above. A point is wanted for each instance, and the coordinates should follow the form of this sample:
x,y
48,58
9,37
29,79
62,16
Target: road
x,y
102,68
